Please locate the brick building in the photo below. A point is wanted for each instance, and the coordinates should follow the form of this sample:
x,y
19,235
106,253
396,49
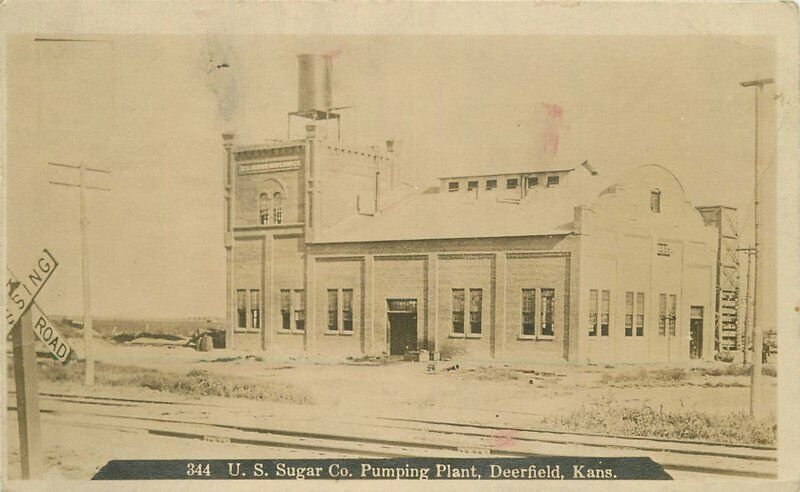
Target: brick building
x,y
330,254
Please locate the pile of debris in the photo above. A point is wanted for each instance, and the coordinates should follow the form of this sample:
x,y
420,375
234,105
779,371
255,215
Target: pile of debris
x,y
207,340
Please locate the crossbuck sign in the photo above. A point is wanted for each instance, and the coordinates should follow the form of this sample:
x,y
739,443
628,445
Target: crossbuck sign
x,y
21,295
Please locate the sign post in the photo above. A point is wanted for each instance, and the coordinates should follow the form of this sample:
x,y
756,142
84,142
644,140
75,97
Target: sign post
x,y
21,295
25,378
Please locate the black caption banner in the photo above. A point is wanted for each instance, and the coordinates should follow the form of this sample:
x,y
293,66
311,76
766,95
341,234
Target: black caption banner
x,y
548,468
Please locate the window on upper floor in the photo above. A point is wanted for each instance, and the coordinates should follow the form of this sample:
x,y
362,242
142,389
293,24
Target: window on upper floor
x,y
264,205
491,184
277,207
472,185
512,183
533,181
552,181
655,201
452,186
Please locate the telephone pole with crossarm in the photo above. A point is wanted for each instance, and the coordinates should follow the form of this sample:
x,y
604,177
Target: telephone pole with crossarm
x,y
84,220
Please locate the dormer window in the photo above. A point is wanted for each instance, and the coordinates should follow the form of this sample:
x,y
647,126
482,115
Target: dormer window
x,y
512,183
472,185
655,201
491,184
452,186
552,181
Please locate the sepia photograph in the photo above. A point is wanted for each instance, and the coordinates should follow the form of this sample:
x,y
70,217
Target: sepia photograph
x,y
400,253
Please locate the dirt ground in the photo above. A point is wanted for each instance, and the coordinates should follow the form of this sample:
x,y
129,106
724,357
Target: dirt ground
x,y
500,393
512,395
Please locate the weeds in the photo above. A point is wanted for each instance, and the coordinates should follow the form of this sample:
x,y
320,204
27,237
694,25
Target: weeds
x,y
196,383
736,370
608,417
492,374
644,376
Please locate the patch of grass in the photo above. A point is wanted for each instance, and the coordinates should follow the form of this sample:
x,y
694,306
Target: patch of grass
x,y
195,384
608,417
736,370
492,374
644,376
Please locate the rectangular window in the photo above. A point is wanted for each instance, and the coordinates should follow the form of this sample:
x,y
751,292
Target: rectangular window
x,y
299,310
347,310
662,314
255,309
475,311
548,310
491,184
528,312
241,308
640,314
552,181
264,217
458,311
452,186
512,183
278,214
629,314
605,312
593,313
533,181
286,310
655,201
472,185
333,310
673,305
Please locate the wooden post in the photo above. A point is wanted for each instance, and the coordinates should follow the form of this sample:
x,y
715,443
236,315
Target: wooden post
x,y
87,305
25,378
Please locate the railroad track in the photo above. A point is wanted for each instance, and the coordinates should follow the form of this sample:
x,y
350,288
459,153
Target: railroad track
x,y
399,437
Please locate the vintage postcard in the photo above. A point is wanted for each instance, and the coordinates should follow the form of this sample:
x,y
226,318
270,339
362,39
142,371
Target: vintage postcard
x,y
495,245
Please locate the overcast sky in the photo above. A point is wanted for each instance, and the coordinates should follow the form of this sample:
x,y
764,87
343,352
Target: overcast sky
x,y
151,110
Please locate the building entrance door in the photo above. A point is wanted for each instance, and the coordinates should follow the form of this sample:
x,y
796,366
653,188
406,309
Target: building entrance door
x,y
696,333
402,314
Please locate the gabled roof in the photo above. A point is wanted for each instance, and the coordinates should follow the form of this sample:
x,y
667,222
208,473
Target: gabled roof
x,y
432,214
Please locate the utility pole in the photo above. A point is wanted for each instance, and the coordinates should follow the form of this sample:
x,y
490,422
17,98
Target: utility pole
x,y
84,220
755,381
747,336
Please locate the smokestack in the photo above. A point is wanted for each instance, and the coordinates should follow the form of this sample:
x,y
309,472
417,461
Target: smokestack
x,y
314,84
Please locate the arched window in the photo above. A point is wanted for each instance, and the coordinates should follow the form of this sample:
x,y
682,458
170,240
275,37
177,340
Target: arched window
x,y
277,207
264,204
655,201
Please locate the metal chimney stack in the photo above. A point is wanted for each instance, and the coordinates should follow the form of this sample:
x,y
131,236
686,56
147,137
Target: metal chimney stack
x,y
314,85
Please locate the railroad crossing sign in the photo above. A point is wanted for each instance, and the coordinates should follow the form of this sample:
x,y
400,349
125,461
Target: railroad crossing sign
x,y
45,330
20,316
21,297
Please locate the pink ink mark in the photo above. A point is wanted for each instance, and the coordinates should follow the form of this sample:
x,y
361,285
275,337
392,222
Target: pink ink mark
x,y
552,125
504,438
334,52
